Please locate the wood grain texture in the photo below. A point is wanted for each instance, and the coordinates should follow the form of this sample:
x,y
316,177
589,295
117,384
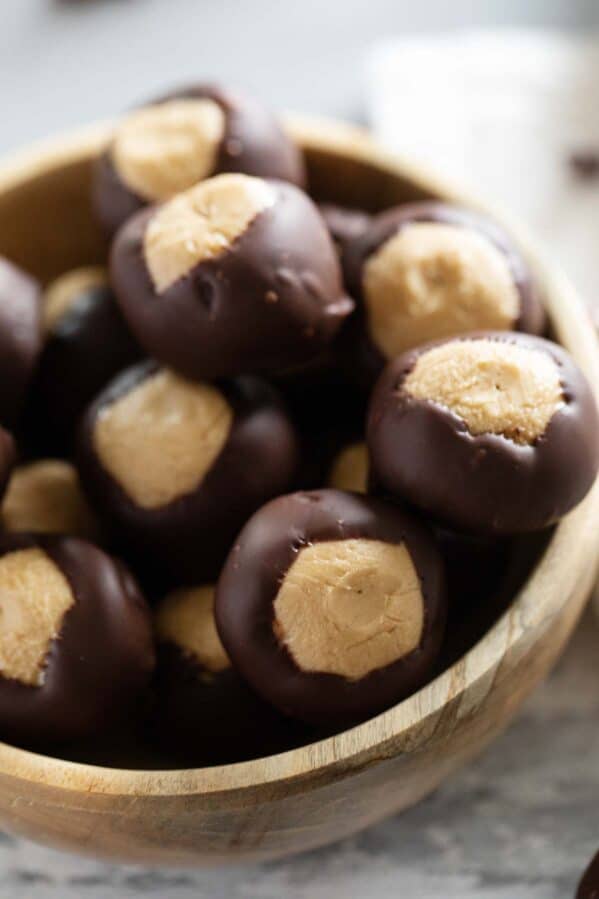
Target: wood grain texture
x,y
317,794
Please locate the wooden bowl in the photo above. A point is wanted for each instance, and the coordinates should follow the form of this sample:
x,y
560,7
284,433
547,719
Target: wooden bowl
x,y
321,792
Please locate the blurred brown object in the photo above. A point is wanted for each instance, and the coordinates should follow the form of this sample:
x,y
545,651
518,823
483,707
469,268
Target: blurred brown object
x,y
584,164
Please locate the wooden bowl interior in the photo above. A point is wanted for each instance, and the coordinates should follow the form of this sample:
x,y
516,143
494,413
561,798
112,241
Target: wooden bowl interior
x,y
301,798
47,226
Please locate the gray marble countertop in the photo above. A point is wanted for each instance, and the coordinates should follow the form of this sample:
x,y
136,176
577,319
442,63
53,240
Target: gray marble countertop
x,y
520,823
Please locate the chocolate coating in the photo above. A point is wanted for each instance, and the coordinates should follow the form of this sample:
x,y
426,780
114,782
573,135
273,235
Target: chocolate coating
x,y
253,144
188,539
20,338
8,457
422,453
249,583
86,348
588,888
271,301
212,718
345,225
366,358
102,659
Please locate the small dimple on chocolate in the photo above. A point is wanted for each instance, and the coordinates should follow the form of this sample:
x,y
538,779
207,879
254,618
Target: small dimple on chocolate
x,y
311,283
206,295
286,277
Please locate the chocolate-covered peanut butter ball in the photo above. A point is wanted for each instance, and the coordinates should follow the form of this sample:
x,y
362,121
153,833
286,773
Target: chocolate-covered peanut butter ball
x,y
45,497
176,467
204,710
86,343
20,338
76,644
332,605
167,147
426,271
489,433
235,275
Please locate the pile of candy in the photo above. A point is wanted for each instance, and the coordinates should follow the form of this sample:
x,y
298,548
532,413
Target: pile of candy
x,y
250,445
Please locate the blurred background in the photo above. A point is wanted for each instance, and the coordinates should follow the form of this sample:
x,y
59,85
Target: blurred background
x,y
443,82
64,62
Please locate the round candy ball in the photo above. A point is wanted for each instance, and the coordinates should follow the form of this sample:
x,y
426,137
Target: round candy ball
x,y
429,270
76,646
236,275
204,711
86,344
176,467
490,433
45,497
167,147
332,605
20,338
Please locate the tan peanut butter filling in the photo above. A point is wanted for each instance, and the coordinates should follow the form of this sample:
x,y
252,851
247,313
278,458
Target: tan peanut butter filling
x,y
348,607
162,150
201,224
434,280
61,295
186,618
34,597
494,387
160,440
46,497
350,469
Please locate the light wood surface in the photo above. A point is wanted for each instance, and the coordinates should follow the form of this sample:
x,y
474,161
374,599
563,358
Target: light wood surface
x,y
314,795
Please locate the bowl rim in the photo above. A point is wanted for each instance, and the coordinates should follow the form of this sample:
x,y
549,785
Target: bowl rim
x,y
541,598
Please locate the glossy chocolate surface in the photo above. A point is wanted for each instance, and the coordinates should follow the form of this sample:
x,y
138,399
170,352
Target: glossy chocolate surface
x,y
102,659
255,569
87,347
344,224
423,454
188,539
253,143
272,300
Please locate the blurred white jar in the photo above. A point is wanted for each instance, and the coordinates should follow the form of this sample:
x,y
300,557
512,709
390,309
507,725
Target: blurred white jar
x,y
503,110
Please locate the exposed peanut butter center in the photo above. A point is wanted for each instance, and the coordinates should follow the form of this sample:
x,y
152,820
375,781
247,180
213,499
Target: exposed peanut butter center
x,y
160,439
350,469
348,607
186,618
34,597
201,224
432,280
62,294
164,149
495,387
46,497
